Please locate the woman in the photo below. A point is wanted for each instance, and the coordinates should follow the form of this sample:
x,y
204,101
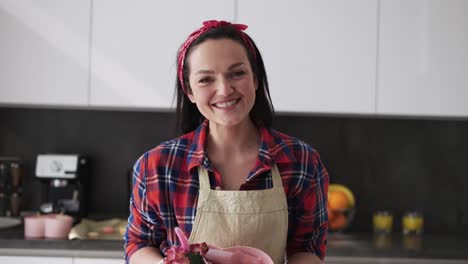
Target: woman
x,y
230,180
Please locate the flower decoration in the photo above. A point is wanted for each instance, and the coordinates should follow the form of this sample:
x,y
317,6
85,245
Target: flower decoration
x,y
185,253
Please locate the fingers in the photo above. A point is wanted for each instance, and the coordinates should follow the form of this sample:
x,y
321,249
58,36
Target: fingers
x,y
218,256
247,251
215,247
243,258
238,257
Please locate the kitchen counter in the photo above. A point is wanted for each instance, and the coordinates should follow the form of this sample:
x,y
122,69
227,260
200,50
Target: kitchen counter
x,y
427,246
13,243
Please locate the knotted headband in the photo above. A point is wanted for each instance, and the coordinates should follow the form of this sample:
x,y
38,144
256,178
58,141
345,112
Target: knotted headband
x,y
207,25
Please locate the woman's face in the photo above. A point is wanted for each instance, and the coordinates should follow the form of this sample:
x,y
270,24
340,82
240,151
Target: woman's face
x,y
221,82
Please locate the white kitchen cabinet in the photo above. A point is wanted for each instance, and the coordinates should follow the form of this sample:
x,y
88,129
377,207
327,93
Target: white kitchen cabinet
x,y
35,260
134,48
423,58
320,55
98,261
44,52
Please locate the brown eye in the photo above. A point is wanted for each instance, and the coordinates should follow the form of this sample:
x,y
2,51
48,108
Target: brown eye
x,y
205,80
237,74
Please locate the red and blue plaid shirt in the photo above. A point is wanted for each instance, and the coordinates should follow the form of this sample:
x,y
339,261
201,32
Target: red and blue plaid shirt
x,y
165,190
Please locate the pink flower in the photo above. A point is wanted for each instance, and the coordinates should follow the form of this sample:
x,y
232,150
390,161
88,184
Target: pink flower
x,y
175,253
185,252
199,248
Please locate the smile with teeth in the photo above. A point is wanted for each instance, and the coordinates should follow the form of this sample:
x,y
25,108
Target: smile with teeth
x,y
226,104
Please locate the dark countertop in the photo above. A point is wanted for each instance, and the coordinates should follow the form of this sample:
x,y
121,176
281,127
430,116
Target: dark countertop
x,y
13,243
427,246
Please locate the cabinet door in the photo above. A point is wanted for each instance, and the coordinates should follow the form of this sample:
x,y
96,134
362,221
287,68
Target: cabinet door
x,y
35,260
134,48
44,51
423,58
320,55
97,261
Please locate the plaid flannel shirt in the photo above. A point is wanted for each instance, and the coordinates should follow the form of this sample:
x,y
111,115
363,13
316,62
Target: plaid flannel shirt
x,y
165,190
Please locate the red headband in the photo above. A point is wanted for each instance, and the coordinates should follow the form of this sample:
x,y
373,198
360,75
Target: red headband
x,y
207,25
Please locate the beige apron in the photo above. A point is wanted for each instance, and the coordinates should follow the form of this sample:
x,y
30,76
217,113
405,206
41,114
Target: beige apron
x,y
243,218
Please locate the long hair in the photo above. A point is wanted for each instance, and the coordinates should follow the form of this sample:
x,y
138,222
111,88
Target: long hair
x,y
189,118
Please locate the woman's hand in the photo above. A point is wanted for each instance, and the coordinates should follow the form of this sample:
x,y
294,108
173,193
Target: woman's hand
x,y
146,255
218,256
303,258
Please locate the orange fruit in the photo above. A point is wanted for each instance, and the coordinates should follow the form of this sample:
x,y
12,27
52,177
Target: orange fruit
x,y
338,222
338,200
331,213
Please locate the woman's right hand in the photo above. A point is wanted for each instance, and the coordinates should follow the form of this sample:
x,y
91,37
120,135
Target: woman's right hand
x,y
219,256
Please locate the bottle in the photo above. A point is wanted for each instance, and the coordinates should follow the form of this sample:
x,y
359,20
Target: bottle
x,y
16,173
3,204
3,176
15,204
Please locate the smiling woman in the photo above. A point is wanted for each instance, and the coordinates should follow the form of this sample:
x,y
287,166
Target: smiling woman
x,y
247,56
224,93
230,179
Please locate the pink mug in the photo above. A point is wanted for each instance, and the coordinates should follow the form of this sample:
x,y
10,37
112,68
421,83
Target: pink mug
x,y
34,226
58,226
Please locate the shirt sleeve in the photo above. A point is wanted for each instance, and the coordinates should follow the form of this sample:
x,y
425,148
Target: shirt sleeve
x,y
308,219
145,227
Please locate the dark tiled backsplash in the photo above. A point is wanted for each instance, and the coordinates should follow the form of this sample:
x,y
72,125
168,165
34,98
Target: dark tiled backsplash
x,y
389,163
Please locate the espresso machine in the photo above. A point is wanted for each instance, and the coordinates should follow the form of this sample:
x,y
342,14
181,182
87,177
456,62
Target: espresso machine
x,y
64,177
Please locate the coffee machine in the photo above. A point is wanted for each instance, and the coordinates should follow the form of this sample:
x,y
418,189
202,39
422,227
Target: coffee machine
x,y
64,177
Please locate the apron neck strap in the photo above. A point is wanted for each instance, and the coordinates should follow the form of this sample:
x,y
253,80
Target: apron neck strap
x,y
204,179
275,175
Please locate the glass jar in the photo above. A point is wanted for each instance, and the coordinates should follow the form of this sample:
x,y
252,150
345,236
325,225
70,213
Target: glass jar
x,y
412,223
382,222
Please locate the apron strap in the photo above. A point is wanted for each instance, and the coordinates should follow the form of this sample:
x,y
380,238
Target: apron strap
x,y
275,175
203,178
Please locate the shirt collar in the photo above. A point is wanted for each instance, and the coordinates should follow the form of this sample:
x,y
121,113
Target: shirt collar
x,y
197,148
273,148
